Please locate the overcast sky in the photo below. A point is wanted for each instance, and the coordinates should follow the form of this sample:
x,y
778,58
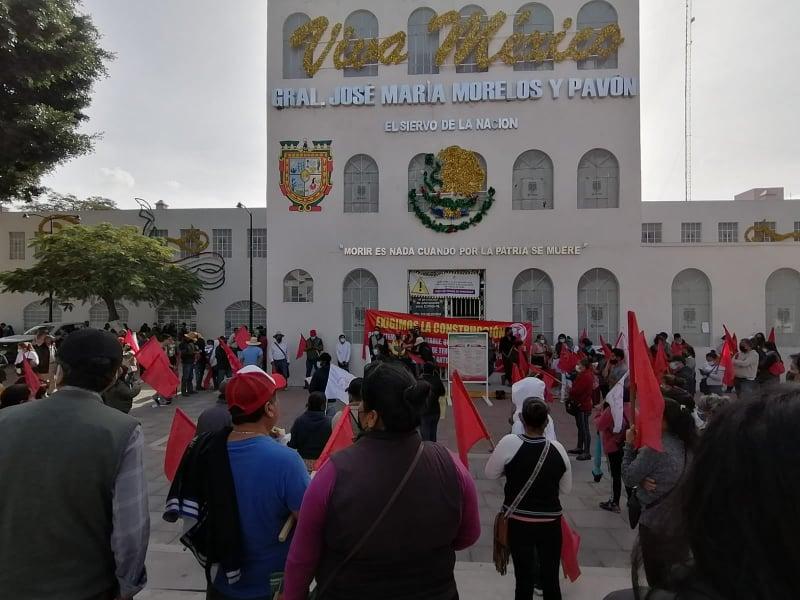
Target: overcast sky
x,y
183,112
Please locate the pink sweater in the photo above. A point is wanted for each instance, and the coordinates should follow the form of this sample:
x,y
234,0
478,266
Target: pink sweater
x,y
306,548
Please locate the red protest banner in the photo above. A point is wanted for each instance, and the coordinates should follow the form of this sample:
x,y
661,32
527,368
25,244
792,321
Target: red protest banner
x,y
435,330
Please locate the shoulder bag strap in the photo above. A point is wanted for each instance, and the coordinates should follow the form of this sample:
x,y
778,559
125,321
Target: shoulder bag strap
x,y
513,506
376,522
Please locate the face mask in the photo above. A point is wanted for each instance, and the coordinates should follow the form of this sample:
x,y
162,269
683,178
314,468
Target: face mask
x,y
742,349
675,366
341,340
579,368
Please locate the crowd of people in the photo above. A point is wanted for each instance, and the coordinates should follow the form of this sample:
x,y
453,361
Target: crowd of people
x,y
358,520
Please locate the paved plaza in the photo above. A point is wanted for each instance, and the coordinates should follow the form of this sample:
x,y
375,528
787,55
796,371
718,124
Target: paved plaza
x,y
606,539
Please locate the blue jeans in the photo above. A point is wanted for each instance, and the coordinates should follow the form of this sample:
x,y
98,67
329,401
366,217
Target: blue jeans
x,y
187,384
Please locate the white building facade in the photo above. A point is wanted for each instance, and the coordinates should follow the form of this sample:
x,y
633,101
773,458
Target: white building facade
x,y
566,242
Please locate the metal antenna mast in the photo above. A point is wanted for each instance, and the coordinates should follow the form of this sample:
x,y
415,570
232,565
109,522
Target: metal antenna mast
x,y
687,101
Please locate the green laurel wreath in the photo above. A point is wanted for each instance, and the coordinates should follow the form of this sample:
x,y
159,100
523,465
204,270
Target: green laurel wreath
x,y
430,183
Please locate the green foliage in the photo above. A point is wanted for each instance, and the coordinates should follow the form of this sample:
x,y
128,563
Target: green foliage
x,y
54,202
49,59
103,261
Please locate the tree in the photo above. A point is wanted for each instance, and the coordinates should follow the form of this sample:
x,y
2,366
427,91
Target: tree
x,y
84,263
49,59
55,202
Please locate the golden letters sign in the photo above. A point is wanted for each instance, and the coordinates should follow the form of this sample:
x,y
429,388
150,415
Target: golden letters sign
x,y
466,37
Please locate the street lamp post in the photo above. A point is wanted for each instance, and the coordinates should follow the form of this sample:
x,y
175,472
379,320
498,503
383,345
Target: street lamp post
x,y
250,253
50,219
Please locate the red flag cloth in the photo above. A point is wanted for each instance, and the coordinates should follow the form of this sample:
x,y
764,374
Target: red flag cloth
x,y
580,355
301,347
771,337
567,360
524,365
232,358
415,358
341,438
606,349
130,340
470,428
147,354
31,379
676,349
726,362
731,340
649,400
207,380
548,394
181,434
242,337
583,336
161,377
570,544
516,374
661,363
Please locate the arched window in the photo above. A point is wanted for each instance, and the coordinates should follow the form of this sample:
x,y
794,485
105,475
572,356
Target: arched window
x,y
36,312
365,27
293,57
598,305
598,180
238,314
359,293
532,181
416,172
533,301
469,64
172,314
361,185
98,314
540,19
597,14
422,44
298,286
691,307
783,306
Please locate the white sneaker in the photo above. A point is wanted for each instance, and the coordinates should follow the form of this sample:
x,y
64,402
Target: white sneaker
x,y
538,591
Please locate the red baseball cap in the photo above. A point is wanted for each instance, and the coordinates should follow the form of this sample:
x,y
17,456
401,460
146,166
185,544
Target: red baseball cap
x,y
251,388
313,332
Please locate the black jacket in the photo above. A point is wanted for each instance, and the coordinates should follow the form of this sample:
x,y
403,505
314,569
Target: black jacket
x,y
425,352
222,358
310,433
319,381
121,395
432,407
203,489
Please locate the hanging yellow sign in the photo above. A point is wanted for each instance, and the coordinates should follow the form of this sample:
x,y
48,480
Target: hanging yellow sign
x,y
468,38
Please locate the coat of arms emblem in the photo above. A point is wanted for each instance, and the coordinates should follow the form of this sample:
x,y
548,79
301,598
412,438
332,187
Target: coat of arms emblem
x,y
306,173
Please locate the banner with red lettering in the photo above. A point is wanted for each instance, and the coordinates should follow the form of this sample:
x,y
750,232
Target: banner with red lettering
x,y
435,330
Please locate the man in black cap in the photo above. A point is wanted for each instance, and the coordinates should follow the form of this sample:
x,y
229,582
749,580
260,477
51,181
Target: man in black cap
x,y
74,510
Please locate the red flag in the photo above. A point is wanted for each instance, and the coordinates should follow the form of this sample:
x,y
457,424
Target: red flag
x,y
130,340
731,340
570,544
31,379
470,428
567,360
232,358
524,365
726,362
161,377
583,336
415,358
181,434
301,346
676,349
606,349
661,363
516,374
147,354
242,337
771,337
341,438
580,355
548,394
734,345
650,402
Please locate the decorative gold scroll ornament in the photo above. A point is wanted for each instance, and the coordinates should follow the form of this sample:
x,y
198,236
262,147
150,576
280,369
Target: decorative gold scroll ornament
x,y
761,232
56,222
467,39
